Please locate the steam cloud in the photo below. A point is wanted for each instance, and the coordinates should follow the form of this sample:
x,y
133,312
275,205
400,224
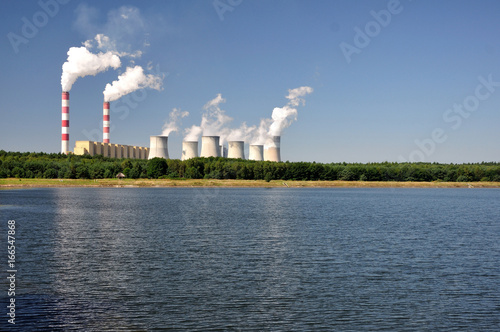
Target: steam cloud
x,y
130,81
283,117
172,124
81,62
213,122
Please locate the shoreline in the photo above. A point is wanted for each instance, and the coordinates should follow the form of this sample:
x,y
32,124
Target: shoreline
x,y
191,183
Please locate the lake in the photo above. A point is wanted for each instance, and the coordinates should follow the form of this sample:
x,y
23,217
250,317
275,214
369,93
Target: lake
x,y
253,259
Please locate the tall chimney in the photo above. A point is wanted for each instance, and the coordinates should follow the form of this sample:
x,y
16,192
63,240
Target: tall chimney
x,y
256,152
158,147
189,150
105,122
272,150
65,123
236,149
210,146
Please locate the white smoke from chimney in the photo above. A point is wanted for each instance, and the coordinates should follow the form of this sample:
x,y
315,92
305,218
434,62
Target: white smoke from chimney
x,y
172,124
282,117
243,133
81,62
214,118
193,133
261,133
133,79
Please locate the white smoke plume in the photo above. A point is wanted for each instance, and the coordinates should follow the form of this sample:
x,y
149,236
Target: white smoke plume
x,y
172,124
214,119
81,62
243,133
193,133
283,117
261,134
133,79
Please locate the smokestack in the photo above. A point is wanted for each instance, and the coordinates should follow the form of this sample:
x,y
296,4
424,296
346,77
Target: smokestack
x,y
256,152
65,123
105,122
158,147
210,146
272,152
236,150
189,150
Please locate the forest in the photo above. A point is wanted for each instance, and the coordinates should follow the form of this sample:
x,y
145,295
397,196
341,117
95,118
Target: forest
x,y
57,165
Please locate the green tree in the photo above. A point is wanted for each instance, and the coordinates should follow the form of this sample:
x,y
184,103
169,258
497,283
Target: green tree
x,y
157,167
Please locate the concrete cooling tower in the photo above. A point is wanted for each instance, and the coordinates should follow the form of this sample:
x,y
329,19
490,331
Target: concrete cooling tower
x,y
189,150
210,146
236,149
65,123
272,151
158,147
256,152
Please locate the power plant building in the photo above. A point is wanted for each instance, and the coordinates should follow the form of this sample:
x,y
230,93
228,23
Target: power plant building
x,y
110,150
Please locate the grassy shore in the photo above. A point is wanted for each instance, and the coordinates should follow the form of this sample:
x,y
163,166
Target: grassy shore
x,y
45,183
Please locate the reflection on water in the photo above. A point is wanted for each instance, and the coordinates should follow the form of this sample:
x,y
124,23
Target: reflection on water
x,y
255,259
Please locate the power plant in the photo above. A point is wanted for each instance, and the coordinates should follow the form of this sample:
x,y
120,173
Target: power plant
x,y
210,146
236,150
256,152
272,151
65,123
189,150
158,147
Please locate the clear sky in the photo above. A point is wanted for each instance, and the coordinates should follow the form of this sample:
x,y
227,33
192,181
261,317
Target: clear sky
x,y
393,80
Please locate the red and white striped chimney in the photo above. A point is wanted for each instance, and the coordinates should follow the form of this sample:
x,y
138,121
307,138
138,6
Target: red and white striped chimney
x,y
65,123
105,122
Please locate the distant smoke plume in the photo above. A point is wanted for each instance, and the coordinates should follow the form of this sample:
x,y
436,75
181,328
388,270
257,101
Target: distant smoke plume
x,y
133,79
172,123
81,62
283,117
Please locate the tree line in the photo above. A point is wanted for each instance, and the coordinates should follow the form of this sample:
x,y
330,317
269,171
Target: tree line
x,y
61,166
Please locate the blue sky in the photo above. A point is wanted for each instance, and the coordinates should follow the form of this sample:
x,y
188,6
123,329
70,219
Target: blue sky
x,y
422,85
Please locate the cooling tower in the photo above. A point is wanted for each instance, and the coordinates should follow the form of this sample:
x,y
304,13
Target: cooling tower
x,y
223,151
236,149
272,150
256,152
189,150
158,147
65,123
210,146
105,122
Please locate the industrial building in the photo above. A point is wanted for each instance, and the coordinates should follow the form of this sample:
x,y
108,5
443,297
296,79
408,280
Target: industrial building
x,y
110,150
